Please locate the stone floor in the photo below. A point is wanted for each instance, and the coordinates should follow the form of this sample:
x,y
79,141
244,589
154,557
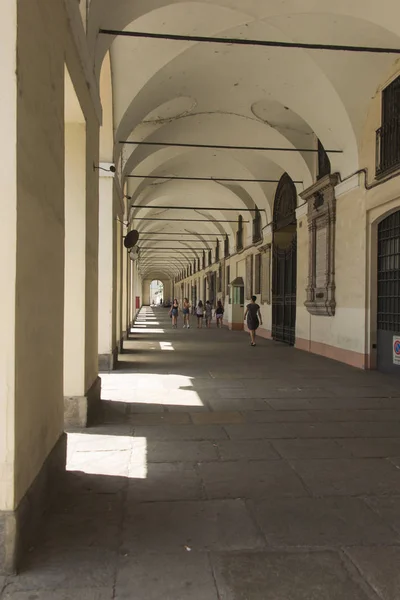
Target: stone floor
x,y
226,472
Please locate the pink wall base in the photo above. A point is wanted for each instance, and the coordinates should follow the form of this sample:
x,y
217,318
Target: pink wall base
x,y
355,359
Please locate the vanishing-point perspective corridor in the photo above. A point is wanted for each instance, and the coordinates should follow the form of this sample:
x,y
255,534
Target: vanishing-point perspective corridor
x,y
225,472
234,164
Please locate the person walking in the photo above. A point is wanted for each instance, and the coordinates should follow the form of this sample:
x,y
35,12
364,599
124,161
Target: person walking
x,y
219,313
254,319
208,314
200,314
174,312
186,313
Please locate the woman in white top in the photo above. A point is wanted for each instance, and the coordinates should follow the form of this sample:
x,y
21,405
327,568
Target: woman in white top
x,y
200,314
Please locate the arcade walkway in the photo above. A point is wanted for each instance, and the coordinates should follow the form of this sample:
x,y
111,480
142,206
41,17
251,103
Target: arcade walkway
x,y
221,471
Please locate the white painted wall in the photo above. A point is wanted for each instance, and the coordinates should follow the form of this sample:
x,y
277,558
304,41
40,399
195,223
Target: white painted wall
x,y
75,259
106,264
8,258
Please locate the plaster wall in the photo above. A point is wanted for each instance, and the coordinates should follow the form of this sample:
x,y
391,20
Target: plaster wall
x,y
39,320
75,259
106,266
119,250
146,291
346,329
8,235
32,127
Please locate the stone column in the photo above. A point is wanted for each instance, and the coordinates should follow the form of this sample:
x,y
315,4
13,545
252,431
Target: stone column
x,y
108,351
32,442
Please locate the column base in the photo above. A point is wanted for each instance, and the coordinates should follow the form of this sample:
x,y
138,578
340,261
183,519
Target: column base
x,y
108,362
80,411
19,528
236,326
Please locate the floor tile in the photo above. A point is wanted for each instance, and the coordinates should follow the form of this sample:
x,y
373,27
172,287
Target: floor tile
x,y
166,481
284,576
380,567
183,432
349,477
371,447
76,594
310,448
388,508
183,576
170,526
217,417
181,451
246,450
251,479
320,522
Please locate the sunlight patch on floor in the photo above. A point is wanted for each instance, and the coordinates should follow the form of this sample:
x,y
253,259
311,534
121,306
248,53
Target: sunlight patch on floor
x,y
149,388
166,346
110,455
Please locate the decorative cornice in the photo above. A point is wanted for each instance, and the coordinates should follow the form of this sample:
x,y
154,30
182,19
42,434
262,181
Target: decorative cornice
x,y
344,187
301,211
329,181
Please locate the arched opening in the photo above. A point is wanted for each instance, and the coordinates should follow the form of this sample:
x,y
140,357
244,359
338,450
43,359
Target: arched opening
x,y
284,262
388,294
156,292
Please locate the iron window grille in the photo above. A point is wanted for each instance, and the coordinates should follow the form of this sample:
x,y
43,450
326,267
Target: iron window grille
x,y
257,235
226,246
388,135
239,234
257,274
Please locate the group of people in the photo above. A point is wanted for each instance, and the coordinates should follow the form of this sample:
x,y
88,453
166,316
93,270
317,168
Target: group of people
x,y
252,315
203,311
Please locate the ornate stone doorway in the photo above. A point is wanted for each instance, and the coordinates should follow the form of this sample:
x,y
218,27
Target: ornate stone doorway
x,y
284,262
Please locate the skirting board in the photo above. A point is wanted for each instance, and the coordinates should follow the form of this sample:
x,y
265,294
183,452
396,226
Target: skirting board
x,y
80,411
19,528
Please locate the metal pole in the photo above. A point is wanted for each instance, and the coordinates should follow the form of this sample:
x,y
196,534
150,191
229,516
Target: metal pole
x,y
215,179
186,220
238,209
246,42
228,147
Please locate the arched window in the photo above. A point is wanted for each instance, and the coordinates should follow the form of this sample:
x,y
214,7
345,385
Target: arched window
x,y
217,251
257,233
226,246
204,259
239,234
209,257
324,164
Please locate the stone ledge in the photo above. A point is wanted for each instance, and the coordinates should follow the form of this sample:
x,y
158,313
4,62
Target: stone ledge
x,y
108,362
19,528
80,411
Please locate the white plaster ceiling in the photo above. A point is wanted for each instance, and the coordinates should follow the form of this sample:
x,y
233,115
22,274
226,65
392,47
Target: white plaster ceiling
x,y
186,92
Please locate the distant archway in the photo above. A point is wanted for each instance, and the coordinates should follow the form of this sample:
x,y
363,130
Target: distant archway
x,y
156,292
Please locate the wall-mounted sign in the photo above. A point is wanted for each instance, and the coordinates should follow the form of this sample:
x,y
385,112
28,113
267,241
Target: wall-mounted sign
x,y
396,350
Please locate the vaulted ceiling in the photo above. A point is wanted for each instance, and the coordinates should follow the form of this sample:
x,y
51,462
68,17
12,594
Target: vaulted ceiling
x,y
222,94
